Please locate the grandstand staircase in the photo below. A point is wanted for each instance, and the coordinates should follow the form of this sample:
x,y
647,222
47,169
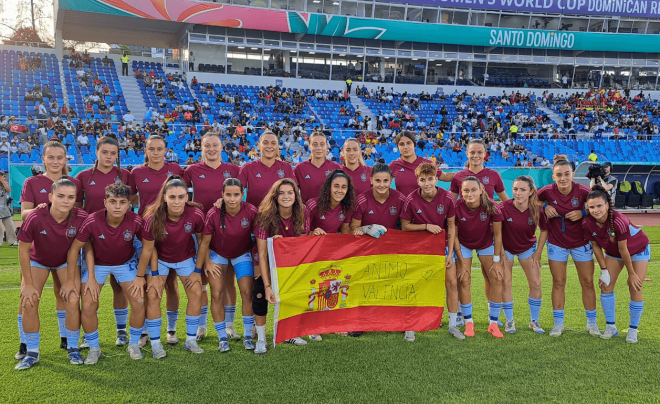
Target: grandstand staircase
x,y
365,110
132,94
553,115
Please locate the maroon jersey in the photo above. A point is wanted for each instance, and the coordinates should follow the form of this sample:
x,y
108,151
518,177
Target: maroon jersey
x,y
330,221
370,211
572,236
258,178
420,211
518,228
234,239
286,228
147,182
405,179
179,244
50,240
491,180
623,230
361,177
310,178
37,188
206,182
475,227
112,245
94,183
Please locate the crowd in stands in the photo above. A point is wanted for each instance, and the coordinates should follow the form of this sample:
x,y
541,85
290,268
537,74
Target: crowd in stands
x,y
29,63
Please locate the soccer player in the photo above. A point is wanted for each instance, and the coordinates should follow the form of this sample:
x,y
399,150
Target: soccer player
x,y
113,232
93,181
381,205
478,227
310,174
564,206
145,182
521,216
355,166
490,179
169,226
204,178
35,195
281,214
227,237
432,209
404,167
625,245
44,240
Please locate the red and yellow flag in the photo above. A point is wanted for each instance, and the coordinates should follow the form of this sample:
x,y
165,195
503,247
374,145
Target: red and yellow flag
x,y
340,282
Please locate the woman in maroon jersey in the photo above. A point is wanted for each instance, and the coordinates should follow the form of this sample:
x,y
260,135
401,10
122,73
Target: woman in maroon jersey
x,y
203,178
404,167
169,227
44,239
432,209
114,232
34,195
259,176
355,166
478,227
379,206
281,214
564,207
145,182
227,238
310,174
625,245
522,216
94,180
490,179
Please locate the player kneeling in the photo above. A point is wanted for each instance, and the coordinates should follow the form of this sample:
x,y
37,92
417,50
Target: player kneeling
x,y
112,232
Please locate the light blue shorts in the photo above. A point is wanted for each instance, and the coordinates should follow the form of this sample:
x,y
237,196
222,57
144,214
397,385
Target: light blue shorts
x,y
523,255
467,252
643,256
38,265
122,273
184,268
243,265
579,254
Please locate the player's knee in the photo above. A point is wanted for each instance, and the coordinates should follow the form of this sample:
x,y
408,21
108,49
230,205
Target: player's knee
x,y
194,291
259,302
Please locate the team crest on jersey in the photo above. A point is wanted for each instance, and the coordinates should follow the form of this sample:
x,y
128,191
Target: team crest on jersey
x,y
483,216
327,173
393,210
441,209
169,173
342,216
187,227
575,202
530,221
226,174
118,180
280,173
244,223
71,232
329,290
128,235
363,177
486,180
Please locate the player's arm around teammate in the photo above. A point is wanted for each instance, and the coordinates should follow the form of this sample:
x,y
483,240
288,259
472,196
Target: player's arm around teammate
x,y
624,245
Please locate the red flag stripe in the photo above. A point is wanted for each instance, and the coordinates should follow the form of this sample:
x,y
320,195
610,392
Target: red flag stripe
x,y
291,252
366,318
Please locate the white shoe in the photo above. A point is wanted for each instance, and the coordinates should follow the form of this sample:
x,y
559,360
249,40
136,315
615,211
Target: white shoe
x,y
192,346
93,356
610,332
410,336
261,347
295,341
232,334
536,327
510,326
201,333
142,342
157,350
171,338
455,332
316,337
557,330
632,336
134,352
593,329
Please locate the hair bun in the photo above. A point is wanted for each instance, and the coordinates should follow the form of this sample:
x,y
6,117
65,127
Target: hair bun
x,y
560,157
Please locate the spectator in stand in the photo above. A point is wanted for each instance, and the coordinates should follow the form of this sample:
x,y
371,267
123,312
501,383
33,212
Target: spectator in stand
x,y
128,117
23,147
124,64
6,212
106,61
82,140
191,62
42,114
170,156
190,160
592,156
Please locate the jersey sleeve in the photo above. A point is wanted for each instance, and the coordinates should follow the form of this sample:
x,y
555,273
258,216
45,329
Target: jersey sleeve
x,y
586,232
451,208
132,182
26,233
453,186
498,216
26,193
176,169
358,211
499,184
199,221
543,220
209,222
85,232
297,173
187,176
139,228
79,189
288,171
260,232
308,222
243,175
146,229
621,229
406,212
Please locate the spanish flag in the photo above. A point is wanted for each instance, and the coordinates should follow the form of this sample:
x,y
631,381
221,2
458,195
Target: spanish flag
x,y
340,282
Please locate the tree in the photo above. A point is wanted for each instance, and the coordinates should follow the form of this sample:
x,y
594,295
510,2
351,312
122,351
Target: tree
x,y
32,22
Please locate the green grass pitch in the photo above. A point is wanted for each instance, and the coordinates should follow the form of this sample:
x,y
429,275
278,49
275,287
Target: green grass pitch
x,y
377,367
